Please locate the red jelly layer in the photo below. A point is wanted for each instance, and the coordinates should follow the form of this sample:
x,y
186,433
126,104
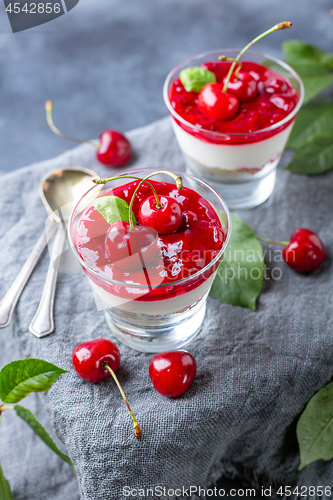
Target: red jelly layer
x,y
183,253
275,100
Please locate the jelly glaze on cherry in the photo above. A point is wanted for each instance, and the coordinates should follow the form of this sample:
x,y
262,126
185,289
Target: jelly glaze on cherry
x,y
275,99
200,230
122,242
172,373
243,86
216,104
305,251
88,359
114,150
165,219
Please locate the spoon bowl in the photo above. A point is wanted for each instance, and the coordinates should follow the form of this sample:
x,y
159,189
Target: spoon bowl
x,y
60,188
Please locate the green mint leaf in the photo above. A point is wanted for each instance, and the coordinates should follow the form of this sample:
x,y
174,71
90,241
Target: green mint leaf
x,y
20,378
5,493
313,158
312,64
240,275
321,124
31,420
113,209
194,79
315,428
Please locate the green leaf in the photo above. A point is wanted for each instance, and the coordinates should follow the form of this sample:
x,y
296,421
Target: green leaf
x,y
5,493
194,79
313,158
295,49
312,64
314,85
305,117
240,275
315,428
31,420
321,123
113,209
20,378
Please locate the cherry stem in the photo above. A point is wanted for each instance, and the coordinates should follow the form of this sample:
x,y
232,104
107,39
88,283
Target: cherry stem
x,y
137,429
176,178
230,59
48,109
97,180
285,243
280,26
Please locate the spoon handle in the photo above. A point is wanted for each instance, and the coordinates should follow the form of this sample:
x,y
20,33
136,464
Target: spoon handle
x,y
43,323
8,303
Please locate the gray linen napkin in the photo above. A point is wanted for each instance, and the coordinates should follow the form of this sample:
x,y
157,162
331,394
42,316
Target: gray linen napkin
x,y
256,370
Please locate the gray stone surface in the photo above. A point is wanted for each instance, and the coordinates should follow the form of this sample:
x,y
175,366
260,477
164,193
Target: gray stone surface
x,y
104,63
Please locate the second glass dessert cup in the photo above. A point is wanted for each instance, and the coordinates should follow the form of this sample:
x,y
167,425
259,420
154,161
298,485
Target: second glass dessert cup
x,y
240,166
153,316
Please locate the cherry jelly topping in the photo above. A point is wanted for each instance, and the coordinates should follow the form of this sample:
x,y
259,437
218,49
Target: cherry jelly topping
x,y
272,98
181,254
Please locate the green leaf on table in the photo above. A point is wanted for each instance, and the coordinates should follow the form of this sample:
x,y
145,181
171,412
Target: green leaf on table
x,y
306,117
19,378
31,420
194,79
113,209
313,158
313,65
5,493
239,278
296,50
314,85
315,428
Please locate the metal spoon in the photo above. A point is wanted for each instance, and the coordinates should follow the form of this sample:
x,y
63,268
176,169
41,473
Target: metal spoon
x,y
58,190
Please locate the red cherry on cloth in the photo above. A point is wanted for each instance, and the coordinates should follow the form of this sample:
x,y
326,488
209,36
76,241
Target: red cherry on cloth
x,y
140,244
172,373
166,219
114,150
214,103
305,251
243,86
88,359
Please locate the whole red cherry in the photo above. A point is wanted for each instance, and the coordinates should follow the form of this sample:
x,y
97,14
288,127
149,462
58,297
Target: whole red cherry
x,y
122,242
97,360
165,219
114,149
88,359
172,373
214,103
305,251
243,86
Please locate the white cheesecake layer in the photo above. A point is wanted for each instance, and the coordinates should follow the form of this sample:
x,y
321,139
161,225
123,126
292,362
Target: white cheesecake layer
x,y
153,307
234,156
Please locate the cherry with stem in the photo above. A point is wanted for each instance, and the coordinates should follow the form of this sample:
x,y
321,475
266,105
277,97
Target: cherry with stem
x,y
113,150
280,26
97,360
304,252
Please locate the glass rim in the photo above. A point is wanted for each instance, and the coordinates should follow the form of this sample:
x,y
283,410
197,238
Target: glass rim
x,y
173,283
285,120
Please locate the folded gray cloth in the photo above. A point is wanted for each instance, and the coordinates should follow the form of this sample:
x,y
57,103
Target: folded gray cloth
x,y
256,370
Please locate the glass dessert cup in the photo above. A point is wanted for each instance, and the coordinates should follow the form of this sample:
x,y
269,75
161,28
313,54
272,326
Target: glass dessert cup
x,y
152,316
239,166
